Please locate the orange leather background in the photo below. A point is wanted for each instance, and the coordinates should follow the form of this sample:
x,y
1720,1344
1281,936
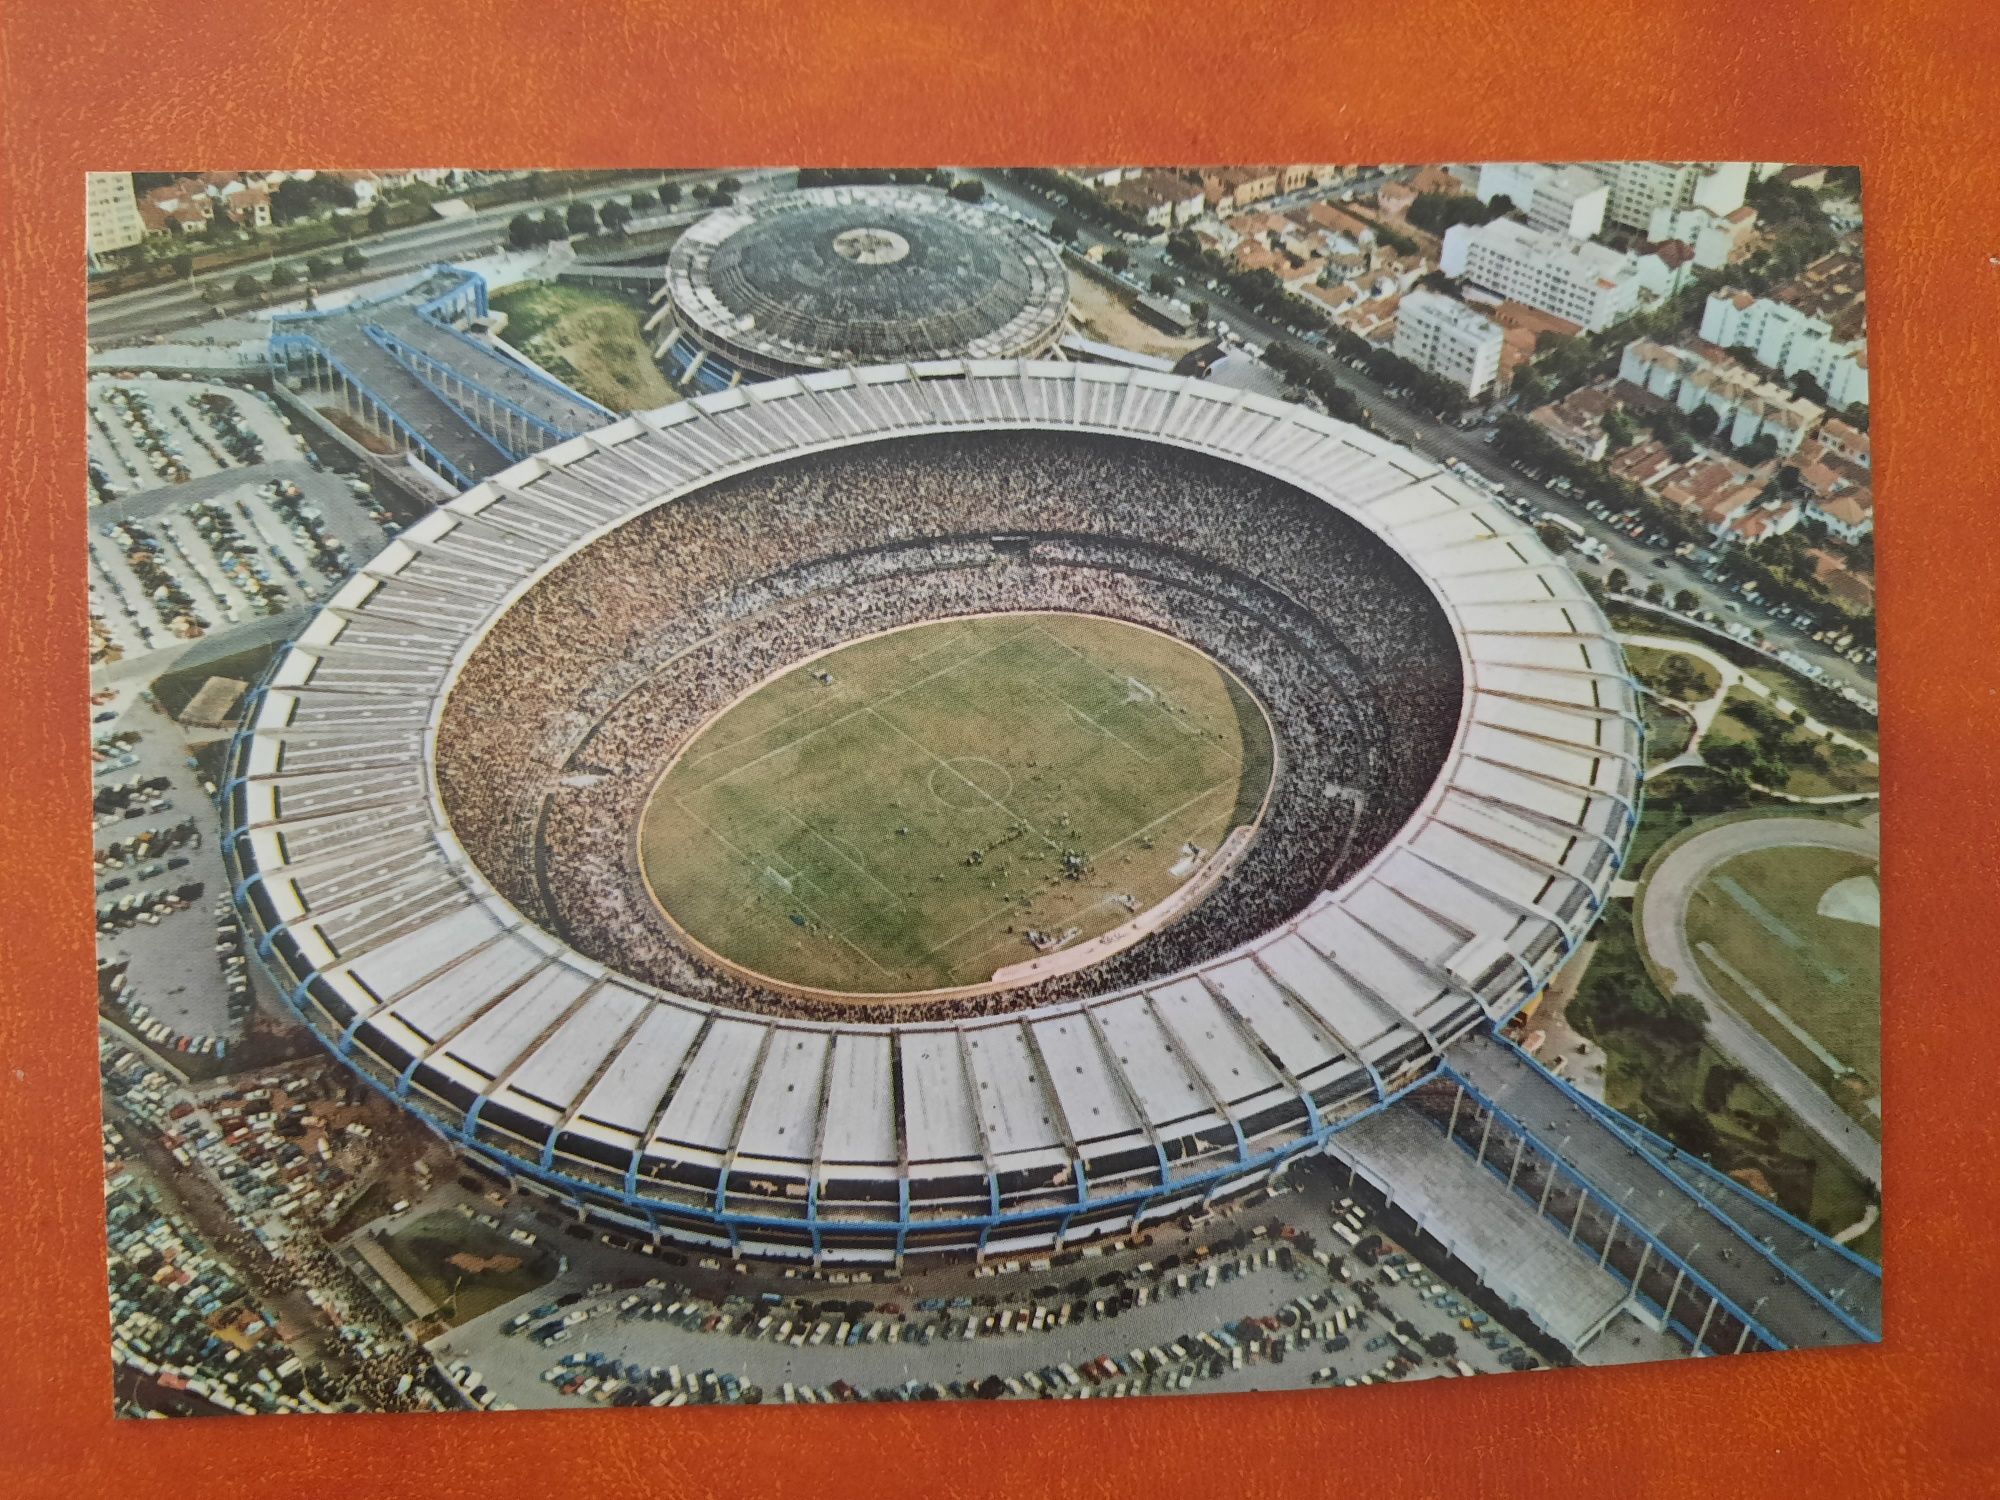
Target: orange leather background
x,y
1904,87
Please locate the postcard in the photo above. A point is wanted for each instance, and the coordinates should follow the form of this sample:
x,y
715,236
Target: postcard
x,y
799,785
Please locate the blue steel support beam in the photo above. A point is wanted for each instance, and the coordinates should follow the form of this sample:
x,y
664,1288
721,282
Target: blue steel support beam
x,y
1605,1204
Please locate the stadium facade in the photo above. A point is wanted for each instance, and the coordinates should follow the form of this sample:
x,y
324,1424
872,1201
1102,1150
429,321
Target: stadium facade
x,y
683,1118
831,277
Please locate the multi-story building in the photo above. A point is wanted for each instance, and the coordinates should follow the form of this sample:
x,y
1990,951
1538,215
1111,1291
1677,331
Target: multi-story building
x,y
111,212
1640,187
1695,374
1784,338
1588,284
1718,239
1557,198
1447,338
1162,199
1225,188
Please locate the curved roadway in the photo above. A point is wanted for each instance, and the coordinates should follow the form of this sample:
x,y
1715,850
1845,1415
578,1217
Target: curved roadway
x,y
1663,916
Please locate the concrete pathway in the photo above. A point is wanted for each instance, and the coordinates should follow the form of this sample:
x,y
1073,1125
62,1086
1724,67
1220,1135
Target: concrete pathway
x,y
1663,915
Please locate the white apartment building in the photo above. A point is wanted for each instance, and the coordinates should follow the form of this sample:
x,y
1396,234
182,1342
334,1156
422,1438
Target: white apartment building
x,y
1558,198
1586,283
1640,187
1716,237
1784,339
1447,338
1744,402
111,212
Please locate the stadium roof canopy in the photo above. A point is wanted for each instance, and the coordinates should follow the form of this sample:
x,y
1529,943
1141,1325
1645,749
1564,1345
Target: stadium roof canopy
x,y
393,941
826,277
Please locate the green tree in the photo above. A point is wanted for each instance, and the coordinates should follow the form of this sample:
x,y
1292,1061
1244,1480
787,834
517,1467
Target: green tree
x,y
1619,430
1618,581
581,218
616,216
1063,231
282,276
670,194
246,286
730,185
378,216
522,232
318,267
1198,310
968,190
1702,422
1686,602
1161,283
1116,258
351,259
183,264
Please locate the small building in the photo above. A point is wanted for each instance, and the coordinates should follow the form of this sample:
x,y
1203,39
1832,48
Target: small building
x,y
214,704
1164,315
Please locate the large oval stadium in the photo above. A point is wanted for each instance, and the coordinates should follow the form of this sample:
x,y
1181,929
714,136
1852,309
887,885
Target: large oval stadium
x,y
941,808
830,277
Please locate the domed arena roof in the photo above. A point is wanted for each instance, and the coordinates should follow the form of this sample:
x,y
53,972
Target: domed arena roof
x,y
826,277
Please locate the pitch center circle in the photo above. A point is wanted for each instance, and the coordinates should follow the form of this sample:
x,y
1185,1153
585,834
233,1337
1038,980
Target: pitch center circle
x,y
967,781
868,245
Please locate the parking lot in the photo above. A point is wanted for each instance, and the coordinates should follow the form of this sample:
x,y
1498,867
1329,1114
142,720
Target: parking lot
x,y
208,512
170,957
1273,1298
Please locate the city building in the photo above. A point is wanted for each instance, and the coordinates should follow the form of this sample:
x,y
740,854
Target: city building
x,y
111,212
1162,199
1556,198
1639,187
1845,442
1781,337
1728,499
1695,374
1665,267
1718,239
1225,188
1588,284
1447,338
1576,422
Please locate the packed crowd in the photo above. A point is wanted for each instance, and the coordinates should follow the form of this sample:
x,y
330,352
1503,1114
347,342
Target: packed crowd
x,y
582,692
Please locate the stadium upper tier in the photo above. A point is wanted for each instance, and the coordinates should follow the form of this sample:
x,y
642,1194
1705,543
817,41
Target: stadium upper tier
x,y
828,277
678,1111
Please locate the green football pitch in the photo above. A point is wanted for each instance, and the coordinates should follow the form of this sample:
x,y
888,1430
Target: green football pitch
x,y
901,814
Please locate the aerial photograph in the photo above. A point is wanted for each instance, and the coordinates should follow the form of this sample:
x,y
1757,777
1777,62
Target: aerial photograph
x,y
816,785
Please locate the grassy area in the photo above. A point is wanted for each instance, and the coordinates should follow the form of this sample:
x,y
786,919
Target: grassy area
x,y
1759,932
176,687
447,1254
1680,799
591,340
1661,1070
1673,674
1669,731
1782,754
901,814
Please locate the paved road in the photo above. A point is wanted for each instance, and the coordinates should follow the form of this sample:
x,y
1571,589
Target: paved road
x,y
1664,919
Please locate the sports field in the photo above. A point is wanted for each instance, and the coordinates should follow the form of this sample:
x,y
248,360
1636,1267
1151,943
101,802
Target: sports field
x,y
1794,933
907,813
